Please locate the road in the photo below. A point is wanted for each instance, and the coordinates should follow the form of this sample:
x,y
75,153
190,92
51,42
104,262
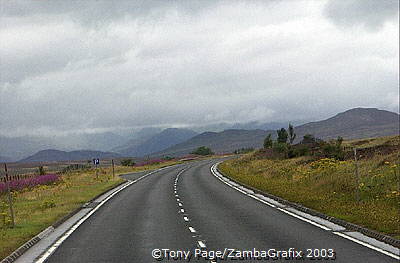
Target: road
x,y
200,211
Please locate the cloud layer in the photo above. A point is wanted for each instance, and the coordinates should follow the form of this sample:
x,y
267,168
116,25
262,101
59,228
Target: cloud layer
x,y
94,66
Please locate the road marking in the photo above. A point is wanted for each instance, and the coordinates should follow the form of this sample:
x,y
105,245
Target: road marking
x,y
304,219
53,247
182,210
214,172
192,229
367,245
180,204
186,218
201,244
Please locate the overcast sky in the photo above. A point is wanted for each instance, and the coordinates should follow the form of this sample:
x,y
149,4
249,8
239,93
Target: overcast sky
x,y
99,65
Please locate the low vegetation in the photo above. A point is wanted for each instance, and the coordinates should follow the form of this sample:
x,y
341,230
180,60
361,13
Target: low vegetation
x,y
37,206
323,178
202,151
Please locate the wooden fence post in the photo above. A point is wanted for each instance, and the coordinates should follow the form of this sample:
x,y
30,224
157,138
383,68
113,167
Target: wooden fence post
x,y
9,197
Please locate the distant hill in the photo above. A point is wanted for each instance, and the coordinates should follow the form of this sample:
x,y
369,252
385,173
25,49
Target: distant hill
x,y
352,124
20,147
56,155
158,142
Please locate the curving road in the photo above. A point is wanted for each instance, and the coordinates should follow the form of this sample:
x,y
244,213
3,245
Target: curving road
x,y
185,208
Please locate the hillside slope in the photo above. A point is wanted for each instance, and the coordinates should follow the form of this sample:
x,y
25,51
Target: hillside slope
x,y
353,124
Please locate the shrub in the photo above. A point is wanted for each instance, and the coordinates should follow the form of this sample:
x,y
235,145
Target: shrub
x,y
127,162
41,171
281,148
268,142
308,138
333,149
202,151
243,150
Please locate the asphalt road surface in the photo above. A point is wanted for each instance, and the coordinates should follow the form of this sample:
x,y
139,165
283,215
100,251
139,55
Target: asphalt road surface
x,y
200,215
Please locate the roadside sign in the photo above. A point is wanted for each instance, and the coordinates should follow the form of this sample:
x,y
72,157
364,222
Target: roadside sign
x,y
96,161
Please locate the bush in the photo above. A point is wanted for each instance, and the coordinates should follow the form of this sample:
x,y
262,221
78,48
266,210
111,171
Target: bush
x,y
202,151
308,138
333,149
243,150
281,148
268,142
127,162
41,171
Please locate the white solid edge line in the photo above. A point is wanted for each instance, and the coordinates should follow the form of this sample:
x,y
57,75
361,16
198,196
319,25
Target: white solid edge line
x,y
51,250
214,172
304,219
367,245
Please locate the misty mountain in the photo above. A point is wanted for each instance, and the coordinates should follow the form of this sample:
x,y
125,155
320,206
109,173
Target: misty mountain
x,y
20,147
136,139
253,125
352,124
51,155
158,142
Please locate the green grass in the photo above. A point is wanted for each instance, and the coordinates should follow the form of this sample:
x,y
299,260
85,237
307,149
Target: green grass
x,y
37,208
330,186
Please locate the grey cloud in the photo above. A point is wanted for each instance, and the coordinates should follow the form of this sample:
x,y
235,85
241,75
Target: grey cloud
x,y
371,14
229,62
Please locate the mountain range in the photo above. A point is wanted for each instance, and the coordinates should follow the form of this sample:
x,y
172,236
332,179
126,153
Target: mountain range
x,y
352,124
153,141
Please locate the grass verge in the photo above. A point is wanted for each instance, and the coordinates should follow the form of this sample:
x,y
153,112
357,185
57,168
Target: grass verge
x,y
39,207
330,186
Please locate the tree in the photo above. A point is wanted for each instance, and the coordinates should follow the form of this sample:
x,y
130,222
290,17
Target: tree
x,y
127,162
282,135
41,170
292,135
308,138
202,151
268,142
339,141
